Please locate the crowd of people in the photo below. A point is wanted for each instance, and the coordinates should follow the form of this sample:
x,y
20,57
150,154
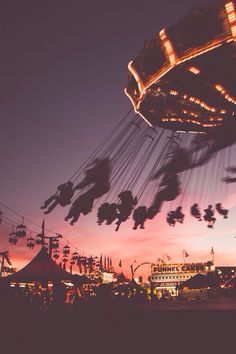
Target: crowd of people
x,y
59,296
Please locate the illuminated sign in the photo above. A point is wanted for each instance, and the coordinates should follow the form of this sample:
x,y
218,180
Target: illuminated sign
x,y
167,285
179,268
107,277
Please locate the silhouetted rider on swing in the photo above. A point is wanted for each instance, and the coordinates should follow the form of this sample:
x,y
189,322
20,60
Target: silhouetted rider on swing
x,y
195,211
227,179
139,216
170,218
209,216
180,161
125,207
107,212
62,197
221,210
178,215
98,176
170,191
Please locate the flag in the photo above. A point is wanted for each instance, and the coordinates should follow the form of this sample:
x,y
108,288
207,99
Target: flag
x,y
168,257
185,254
212,251
120,264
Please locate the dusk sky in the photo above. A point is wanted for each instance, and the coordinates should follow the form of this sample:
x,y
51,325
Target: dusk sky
x,y
63,74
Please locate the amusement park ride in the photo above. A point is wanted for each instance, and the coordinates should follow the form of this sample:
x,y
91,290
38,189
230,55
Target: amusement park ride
x,y
181,82
183,78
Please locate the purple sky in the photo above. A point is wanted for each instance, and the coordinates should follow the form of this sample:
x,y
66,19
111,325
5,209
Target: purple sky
x,y
63,72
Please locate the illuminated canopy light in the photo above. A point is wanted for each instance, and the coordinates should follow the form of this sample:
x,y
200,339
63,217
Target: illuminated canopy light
x,y
230,11
136,76
147,121
224,93
194,70
165,69
136,110
147,87
173,92
197,101
169,50
190,121
193,54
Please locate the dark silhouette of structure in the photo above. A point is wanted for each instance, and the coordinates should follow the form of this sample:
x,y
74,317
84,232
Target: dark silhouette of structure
x,y
42,268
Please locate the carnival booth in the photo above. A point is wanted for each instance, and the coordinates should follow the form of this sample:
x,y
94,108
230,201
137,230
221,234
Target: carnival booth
x,y
199,287
41,281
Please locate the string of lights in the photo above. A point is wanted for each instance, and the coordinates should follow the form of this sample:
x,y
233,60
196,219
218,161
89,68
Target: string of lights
x,y
174,53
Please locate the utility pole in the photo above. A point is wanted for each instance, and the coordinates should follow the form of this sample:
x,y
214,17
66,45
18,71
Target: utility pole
x,y
52,240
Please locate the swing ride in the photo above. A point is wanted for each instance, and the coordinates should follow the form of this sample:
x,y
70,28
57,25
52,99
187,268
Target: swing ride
x,y
181,82
182,79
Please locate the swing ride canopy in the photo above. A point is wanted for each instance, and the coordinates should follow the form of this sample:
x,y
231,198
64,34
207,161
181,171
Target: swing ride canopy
x,y
183,79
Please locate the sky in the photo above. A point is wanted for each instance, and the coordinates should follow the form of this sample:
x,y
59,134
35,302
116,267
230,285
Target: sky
x,y
63,74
